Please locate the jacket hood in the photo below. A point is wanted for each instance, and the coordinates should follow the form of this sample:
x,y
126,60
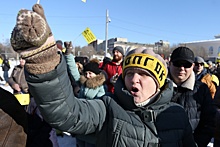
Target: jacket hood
x,y
93,82
126,100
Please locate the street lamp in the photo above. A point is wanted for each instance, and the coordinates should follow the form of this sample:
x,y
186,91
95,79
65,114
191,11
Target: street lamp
x,y
106,32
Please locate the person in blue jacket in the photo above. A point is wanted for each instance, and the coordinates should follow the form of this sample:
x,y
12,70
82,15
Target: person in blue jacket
x,y
92,82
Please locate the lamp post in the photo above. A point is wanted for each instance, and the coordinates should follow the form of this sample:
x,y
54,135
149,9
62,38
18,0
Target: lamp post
x,y
106,32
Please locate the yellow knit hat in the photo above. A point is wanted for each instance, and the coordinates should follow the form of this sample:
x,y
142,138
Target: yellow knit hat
x,y
146,59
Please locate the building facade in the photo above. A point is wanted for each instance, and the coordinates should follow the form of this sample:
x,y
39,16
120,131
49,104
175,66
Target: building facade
x,y
208,49
99,45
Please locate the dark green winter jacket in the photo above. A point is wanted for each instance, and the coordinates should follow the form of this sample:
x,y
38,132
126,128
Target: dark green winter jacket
x,y
113,123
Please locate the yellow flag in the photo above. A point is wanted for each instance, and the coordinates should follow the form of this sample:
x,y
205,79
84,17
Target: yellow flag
x,y
84,1
88,35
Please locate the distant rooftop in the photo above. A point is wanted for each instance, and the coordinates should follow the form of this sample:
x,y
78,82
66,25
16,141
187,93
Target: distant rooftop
x,y
210,40
217,36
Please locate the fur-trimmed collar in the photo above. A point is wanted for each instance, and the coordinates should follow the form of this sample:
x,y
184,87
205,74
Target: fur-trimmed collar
x,y
189,83
93,82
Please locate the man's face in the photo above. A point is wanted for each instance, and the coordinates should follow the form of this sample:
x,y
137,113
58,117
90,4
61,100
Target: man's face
x,y
180,71
22,62
198,68
117,56
140,85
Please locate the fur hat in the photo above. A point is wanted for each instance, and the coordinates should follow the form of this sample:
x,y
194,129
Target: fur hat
x,y
120,49
93,67
147,61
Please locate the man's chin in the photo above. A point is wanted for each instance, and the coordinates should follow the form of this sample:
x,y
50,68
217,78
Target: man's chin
x,y
136,100
116,59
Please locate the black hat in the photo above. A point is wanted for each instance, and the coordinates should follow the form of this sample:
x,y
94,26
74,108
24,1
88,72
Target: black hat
x,y
59,42
199,59
93,67
182,53
120,49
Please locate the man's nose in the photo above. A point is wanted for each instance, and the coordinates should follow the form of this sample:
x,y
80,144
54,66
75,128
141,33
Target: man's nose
x,y
135,78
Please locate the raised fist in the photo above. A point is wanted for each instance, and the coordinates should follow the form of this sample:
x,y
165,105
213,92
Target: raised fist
x,y
68,46
32,38
114,78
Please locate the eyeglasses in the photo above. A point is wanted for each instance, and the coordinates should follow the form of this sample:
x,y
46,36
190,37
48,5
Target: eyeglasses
x,y
184,64
197,64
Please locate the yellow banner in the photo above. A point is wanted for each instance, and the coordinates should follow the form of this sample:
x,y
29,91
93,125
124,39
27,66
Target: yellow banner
x,y
88,35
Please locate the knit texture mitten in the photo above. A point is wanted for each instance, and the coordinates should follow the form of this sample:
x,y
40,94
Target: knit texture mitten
x,y
32,38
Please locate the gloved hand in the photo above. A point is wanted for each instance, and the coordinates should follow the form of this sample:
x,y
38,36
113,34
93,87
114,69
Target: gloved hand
x,y
69,47
32,38
114,78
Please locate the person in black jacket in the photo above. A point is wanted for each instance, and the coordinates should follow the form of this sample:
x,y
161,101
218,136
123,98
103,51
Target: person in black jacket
x,y
139,113
5,69
193,95
217,119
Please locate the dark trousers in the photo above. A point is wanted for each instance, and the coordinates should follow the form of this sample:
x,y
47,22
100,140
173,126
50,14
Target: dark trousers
x,y
217,130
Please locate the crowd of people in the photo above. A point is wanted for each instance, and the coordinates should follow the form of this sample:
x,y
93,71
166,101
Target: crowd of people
x,y
133,99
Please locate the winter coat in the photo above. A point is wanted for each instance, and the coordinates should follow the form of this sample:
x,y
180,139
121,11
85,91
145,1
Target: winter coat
x,y
92,88
196,99
217,119
13,121
112,123
71,66
89,88
5,65
18,77
111,69
206,78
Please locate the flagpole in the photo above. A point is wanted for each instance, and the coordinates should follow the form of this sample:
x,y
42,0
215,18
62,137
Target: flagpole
x,y
38,1
106,33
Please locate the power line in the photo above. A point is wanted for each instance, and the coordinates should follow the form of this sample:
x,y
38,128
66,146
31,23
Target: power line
x,y
179,33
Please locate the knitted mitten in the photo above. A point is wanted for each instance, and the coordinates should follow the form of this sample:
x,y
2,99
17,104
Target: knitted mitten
x,y
32,38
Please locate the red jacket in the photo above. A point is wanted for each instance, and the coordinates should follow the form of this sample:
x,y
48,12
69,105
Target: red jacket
x,y
111,69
